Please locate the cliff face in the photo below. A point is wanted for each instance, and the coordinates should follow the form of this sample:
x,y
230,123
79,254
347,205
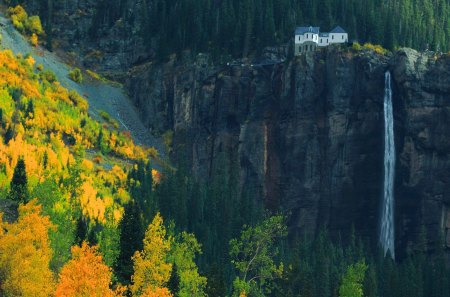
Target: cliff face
x,y
308,134
95,33
422,102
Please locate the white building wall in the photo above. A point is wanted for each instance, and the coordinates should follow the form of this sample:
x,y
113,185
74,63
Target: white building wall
x,y
314,40
338,37
299,39
324,41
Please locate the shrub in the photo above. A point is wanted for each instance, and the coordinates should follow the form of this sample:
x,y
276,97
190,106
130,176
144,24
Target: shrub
x,y
30,26
376,48
48,75
104,115
93,74
76,75
356,46
34,26
18,17
78,101
34,39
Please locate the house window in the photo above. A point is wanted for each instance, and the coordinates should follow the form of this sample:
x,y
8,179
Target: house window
x,y
332,36
342,36
306,35
299,38
327,40
320,40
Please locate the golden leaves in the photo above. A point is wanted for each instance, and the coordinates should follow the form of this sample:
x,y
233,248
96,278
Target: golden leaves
x,y
85,275
25,254
151,269
158,292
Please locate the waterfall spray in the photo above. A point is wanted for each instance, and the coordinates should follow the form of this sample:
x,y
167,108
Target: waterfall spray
x,y
387,207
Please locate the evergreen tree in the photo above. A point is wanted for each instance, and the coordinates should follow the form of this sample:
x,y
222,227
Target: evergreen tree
x,y
30,109
81,231
9,134
131,235
174,281
19,185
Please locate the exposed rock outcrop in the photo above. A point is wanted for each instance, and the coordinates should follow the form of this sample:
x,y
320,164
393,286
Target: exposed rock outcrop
x,y
308,133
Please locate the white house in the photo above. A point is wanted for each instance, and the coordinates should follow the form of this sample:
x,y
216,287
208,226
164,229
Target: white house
x,y
307,39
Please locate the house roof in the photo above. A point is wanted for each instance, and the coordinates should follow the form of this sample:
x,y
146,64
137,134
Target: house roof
x,y
303,30
338,29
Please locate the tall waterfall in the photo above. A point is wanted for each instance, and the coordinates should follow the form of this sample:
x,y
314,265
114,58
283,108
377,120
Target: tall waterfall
x,y
387,207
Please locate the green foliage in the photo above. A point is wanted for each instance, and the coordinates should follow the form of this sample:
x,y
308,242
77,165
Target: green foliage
x,y
34,26
254,256
76,75
356,46
62,237
104,115
352,281
183,252
140,184
48,75
19,185
109,243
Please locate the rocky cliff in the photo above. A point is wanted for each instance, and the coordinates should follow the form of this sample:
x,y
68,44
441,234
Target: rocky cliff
x,y
307,133
106,36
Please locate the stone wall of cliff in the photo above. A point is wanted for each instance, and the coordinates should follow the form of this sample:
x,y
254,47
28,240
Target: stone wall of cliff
x,y
308,133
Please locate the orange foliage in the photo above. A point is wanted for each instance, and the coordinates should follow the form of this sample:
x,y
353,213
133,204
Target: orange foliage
x,y
25,254
85,275
156,176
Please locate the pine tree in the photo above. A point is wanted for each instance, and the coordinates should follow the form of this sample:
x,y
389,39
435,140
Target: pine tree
x,y
9,134
30,109
131,235
81,231
19,185
174,281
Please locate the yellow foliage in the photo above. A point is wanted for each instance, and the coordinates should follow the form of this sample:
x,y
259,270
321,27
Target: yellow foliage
x,y
30,60
85,275
29,25
376,48
34,25
34,40
18,17
151,269
25,254
92,206
158,292
87,165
